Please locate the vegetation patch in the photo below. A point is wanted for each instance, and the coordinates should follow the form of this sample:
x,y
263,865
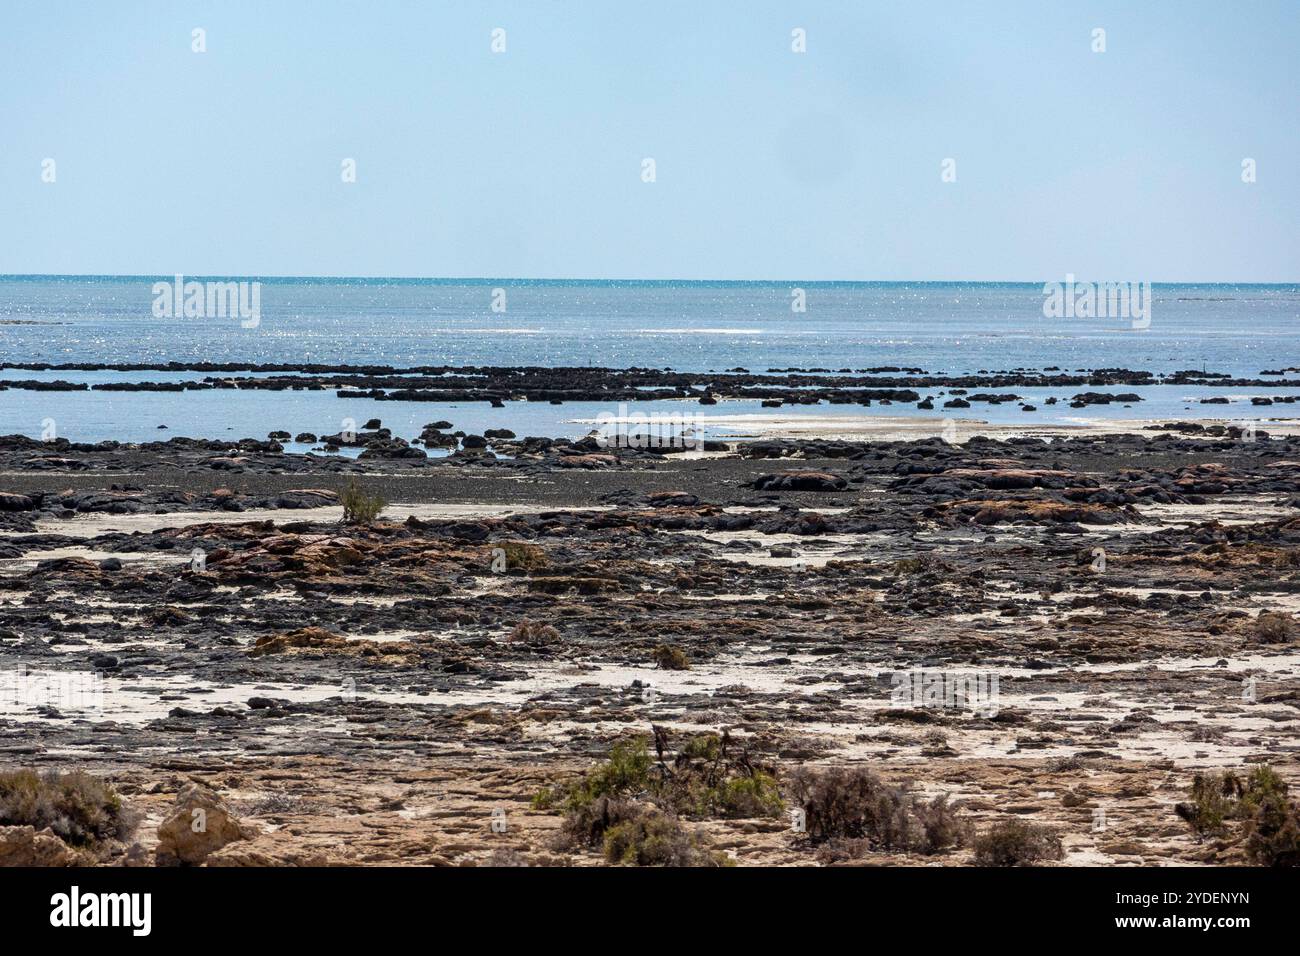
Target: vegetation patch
x,y
670,657
360,507
1255,813
1017,843
632,805
1274,627
81,809
535,633
851,811
522,555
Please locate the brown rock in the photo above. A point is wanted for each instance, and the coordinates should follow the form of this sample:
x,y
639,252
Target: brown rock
x,y
200,825
23,846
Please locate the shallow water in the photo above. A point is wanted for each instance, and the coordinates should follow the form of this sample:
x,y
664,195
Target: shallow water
x,y
952,328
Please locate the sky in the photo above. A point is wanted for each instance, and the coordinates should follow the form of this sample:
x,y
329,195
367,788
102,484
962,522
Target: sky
x,y
768,163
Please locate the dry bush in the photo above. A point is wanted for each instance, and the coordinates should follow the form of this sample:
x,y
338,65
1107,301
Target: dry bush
x,y
670,657
653,838
853,809
1016,843
534,632
1274,627
522,555
81,809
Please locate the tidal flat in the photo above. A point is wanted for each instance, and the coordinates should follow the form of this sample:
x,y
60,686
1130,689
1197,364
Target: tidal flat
x,y
1059,630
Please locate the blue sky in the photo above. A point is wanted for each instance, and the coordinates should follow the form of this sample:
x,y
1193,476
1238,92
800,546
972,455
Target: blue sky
x,y
770,164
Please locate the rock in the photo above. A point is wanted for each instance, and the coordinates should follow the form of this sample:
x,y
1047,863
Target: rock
x,y
23,846
587,461
799,481
13,502
304,637
200,824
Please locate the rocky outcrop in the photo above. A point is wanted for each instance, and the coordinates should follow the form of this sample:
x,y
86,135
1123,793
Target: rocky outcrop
x,y
800,481
24,846
200,824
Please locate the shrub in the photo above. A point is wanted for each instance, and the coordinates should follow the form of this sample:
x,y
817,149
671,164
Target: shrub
x,y
1212,802
1016,843
709,778
1262,783
505,857
534,632
1269,825
520,554
1273,833
911,565
81,809
940,825
856,810
670,657
587,823
358,506
652,838
1274,627
753,795
627,772
706,778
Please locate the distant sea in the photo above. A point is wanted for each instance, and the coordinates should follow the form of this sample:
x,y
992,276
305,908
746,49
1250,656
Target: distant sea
x,y
941,327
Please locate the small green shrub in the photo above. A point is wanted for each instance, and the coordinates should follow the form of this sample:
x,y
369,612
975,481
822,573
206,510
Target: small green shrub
x,y
1268,821
706,778
586,824
626,773
1016,843
1261,784
358,506
521,554
910,565
702,747
1212,802
81,809
1273,832
755,795
652,838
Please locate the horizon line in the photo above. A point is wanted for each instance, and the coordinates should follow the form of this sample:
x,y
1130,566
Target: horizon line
x,y
541,280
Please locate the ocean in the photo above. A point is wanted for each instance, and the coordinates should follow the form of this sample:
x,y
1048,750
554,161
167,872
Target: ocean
x,y
941,327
